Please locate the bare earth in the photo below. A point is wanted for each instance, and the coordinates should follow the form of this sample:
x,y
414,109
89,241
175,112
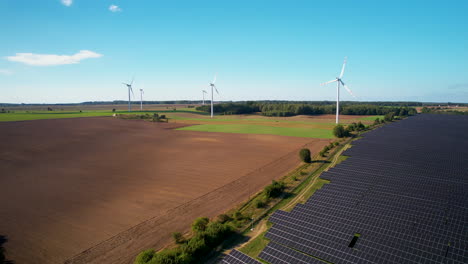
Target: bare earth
x,y
100,190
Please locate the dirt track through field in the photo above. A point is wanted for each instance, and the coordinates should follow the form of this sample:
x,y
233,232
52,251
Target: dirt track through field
x,y
99,190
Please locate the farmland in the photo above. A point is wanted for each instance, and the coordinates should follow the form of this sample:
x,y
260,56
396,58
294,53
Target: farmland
x,y
101,189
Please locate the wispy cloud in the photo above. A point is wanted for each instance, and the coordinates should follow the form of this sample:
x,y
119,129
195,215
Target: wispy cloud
x,y
5,72
52,59
114,8
67,2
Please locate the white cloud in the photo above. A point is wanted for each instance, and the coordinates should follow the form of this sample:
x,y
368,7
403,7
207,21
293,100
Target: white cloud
x,y
67,2
114,8
52,59
5,72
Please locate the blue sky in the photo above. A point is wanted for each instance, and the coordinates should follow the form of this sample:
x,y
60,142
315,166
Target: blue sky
x,y
261,49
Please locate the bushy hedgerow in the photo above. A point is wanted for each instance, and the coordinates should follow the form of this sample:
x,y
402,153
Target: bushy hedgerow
x,y
274,189
340,132
207,235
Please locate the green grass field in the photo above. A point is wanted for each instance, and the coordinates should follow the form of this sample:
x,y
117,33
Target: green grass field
x,y
372,118
23,116
37,115
259,129
224,124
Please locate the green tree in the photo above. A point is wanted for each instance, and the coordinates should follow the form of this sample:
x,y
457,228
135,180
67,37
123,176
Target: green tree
x,y
304,154
389,117
339,131
360,126
274,189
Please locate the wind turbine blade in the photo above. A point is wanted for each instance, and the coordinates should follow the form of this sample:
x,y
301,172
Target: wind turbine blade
x,y
133,78
125,83
214,80
131,90
342,69
216,89
332,81
347,89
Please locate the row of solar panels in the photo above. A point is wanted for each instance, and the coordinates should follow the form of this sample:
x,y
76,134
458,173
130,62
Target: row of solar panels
x,y
402,197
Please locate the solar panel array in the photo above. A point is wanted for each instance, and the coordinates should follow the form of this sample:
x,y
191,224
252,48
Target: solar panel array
x,y
401,197
237,257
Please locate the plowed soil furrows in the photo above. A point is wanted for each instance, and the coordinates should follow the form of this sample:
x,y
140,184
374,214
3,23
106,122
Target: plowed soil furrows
x,y
99,190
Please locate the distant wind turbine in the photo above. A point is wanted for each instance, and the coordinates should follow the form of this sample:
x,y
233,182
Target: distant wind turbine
x,y
212,85
141,99
338,81
204,92
129,86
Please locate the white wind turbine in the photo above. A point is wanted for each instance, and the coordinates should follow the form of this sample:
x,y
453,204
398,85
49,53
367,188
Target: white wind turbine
x,y
141,99
204,92
212,85
129,86
338,81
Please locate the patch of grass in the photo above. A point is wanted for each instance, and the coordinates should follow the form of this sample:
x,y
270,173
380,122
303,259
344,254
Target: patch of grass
x,y
260,129
40,115
255,246
24,116
341,159
371,118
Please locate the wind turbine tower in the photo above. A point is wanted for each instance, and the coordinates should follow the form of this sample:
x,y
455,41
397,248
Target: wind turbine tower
x,y
129,86
204,92
338,82
141,99
212,85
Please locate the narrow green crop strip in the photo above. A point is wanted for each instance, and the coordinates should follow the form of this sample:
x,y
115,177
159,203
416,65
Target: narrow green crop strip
x,y
259,129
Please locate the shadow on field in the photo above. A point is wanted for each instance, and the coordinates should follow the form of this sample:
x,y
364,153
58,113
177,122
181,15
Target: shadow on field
x,y
3,259
233,240
320,161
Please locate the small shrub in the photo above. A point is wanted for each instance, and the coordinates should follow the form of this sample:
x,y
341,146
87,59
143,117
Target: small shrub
x,y
199,225
274,189
238,215
145,256
360,126
259,203
304,154
178,238
223,218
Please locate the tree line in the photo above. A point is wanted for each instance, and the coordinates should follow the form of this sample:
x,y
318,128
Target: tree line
x,y
292,109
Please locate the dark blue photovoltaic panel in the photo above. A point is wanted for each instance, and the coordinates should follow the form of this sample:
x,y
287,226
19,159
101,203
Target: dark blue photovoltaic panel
x,y
401,197
237,257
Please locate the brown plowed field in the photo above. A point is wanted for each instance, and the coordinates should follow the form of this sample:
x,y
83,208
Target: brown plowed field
x,y
99,190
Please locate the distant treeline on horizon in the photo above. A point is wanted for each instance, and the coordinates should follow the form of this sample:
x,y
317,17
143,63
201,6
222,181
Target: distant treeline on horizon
x,y
377,103
292,109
